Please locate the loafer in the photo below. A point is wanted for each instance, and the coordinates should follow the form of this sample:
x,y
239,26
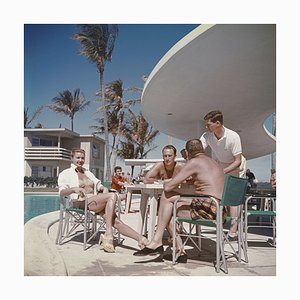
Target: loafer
x,y
182,259
232,238
148,251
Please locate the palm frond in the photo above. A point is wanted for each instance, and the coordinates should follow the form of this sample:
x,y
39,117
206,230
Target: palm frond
x,y
29,119
68,103
97,42
134,89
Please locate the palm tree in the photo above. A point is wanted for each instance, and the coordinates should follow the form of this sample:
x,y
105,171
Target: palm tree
x,y
28,119
116,107
69,104
138,138
113,124
97,41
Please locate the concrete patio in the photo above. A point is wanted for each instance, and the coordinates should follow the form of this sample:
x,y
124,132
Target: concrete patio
x,y
44,258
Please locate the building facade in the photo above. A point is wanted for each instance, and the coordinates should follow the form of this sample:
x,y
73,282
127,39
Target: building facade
x,y
47,152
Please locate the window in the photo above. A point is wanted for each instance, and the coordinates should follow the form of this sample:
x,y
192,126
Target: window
x,y
44,169
34,171
41,142
95,151
45,142
35,142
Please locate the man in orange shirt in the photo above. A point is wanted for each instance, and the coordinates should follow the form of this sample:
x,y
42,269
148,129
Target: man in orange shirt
x,y
118,181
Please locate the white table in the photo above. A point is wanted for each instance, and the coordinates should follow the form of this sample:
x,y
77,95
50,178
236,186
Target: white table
x,y
150,193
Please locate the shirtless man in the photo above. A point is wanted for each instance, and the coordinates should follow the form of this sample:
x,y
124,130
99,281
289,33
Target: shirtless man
x,y
164,169
208,179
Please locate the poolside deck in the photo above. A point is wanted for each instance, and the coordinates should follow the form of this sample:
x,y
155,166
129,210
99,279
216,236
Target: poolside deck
x,y
44,258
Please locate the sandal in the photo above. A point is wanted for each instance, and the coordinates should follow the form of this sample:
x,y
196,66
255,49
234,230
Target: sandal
x,y
106,243
142,243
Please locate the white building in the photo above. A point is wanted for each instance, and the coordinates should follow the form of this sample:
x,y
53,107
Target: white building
x,y
48,151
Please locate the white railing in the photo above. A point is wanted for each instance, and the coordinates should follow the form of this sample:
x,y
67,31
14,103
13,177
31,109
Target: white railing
x,y
47,153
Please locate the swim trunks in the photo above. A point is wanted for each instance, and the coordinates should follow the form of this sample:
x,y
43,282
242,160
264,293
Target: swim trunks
x,y
205,208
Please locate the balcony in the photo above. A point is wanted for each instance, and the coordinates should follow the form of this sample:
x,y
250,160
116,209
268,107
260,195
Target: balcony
x,y
47,153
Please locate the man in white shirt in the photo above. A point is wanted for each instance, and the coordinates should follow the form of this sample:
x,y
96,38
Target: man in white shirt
x,y
226,151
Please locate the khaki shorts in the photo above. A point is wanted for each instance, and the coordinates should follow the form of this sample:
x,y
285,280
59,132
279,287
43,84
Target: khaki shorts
x,y
205,208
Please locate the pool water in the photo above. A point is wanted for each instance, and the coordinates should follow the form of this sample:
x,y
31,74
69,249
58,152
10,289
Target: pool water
x,y
35,205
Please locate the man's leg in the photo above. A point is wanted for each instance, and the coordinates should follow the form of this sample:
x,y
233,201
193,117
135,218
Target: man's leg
x,y
233,210
183,211
164,217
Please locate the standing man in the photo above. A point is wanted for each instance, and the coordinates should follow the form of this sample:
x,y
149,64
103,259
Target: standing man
x,y
227,152
251,179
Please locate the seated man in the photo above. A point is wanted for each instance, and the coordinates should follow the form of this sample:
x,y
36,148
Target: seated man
x,y
208,178
165,169
118,182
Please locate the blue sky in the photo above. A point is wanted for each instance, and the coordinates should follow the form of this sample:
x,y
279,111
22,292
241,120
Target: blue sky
x,y
52,64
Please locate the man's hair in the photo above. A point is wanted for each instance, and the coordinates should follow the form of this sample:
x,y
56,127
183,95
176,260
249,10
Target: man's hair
x,y
118,168
194,147
183,153
169,147
214,116
74,150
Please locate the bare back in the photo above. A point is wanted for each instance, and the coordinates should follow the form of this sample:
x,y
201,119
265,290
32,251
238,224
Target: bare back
x,y
207,175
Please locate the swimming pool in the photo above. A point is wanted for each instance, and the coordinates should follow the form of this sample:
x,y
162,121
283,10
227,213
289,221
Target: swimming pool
x,y
35,205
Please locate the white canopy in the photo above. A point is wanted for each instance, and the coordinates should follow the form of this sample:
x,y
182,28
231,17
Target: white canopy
x,y
226,67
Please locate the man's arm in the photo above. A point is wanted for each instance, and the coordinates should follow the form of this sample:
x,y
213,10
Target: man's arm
x,y
115,180
234,165
153,173
185,172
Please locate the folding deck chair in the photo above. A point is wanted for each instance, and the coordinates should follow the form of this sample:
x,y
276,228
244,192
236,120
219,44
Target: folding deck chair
x,y
73,221
266,210
234,194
